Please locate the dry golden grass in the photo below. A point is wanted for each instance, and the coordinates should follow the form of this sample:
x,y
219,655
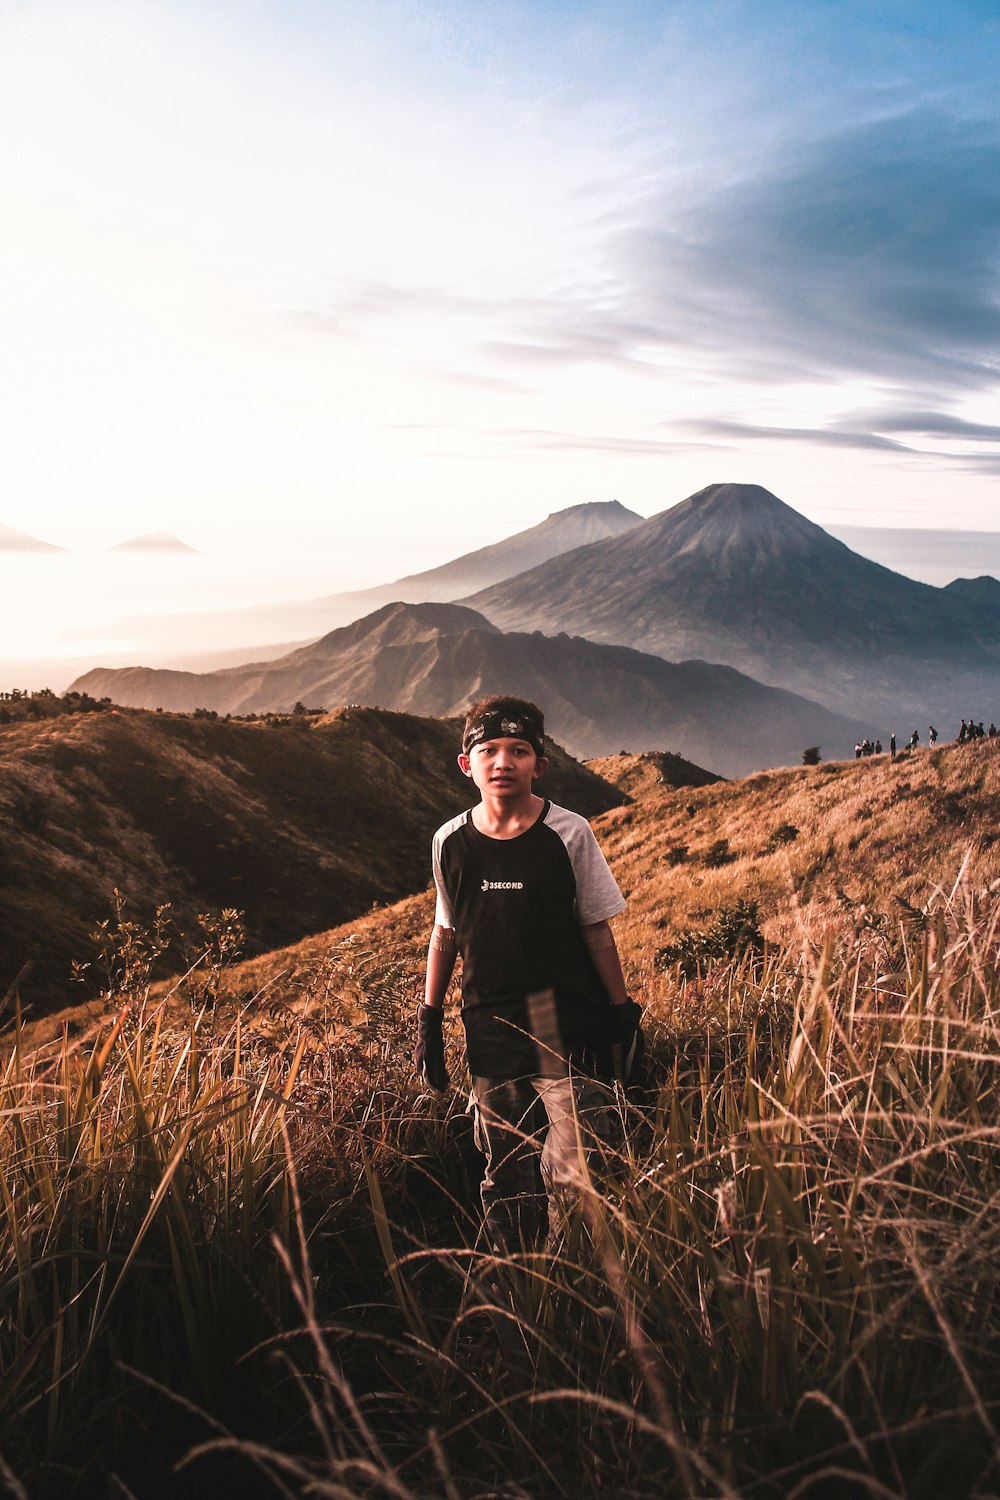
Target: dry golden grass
x,y
239,1255
829,851
238,1237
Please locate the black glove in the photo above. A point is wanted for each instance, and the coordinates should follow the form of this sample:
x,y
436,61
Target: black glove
x,y
623,1032
428,1052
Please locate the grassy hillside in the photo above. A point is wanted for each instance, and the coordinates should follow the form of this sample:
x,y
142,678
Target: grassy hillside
x,y
818,852
298,823
239,1249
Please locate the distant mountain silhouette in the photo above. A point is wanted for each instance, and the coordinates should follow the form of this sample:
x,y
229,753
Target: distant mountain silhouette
x,y
254,627
980,593
560,532
734,575
433,658
20,541
933,554
154,541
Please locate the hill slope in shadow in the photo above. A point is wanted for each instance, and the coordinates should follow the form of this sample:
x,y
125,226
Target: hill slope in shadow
x,y
299,825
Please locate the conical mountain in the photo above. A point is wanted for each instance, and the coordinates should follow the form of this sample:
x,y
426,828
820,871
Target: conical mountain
x,y
562,531
154,541
734,575
19,541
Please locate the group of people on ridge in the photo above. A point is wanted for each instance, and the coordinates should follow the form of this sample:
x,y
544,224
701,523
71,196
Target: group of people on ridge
x,y
970,730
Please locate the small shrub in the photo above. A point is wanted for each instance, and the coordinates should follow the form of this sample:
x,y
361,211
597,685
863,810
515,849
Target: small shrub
x,y
718,854
734,933
785,833
810,756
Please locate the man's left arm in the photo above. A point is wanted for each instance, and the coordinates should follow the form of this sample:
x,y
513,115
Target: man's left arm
x,y
624,1030
603,950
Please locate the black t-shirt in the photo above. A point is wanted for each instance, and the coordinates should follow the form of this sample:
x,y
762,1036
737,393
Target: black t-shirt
x,y
516,906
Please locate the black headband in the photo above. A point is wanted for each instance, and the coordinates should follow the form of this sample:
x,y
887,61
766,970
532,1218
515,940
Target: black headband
x,y
501,726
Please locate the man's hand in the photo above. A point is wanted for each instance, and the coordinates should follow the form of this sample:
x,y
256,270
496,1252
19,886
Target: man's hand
x,y
624,1033
428,1052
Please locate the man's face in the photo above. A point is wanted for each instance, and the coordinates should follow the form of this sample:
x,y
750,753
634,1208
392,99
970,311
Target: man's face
x,y
505,767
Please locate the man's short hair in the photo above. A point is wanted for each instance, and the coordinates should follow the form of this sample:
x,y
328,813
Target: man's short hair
x,y
498,715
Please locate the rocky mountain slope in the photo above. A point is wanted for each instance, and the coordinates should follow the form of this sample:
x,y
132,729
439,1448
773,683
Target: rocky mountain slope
x,y
734,575
298,824
433,658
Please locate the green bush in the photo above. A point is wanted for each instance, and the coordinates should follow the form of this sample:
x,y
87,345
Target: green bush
x,y
733,934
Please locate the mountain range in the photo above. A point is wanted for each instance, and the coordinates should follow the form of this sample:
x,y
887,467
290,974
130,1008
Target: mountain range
x,y
729,578
734,575
434,658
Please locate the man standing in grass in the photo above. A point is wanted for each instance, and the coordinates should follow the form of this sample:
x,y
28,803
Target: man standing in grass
x,y
525,895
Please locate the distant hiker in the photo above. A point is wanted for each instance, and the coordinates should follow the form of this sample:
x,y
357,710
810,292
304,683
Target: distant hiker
x,y
524,895
992,730
914,741
892,747
963,733
878,747
931,735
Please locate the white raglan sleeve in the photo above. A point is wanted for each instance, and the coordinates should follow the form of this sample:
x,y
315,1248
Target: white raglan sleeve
x,y
443,916
597,894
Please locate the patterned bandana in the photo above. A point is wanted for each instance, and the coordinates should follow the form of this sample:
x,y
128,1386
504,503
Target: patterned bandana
x,y
503,726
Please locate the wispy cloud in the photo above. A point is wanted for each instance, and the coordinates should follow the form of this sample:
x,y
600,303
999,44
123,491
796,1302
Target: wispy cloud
x,y
594,442
930,424
831,437
312,249
874,251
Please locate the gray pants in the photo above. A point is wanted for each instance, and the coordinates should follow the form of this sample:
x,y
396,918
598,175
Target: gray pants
x,y
531,1131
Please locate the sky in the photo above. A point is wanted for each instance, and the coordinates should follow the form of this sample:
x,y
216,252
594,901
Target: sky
x,y
376,282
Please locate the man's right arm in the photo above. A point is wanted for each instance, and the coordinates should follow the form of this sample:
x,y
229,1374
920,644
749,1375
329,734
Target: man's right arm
x,y
428,1053
441,954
